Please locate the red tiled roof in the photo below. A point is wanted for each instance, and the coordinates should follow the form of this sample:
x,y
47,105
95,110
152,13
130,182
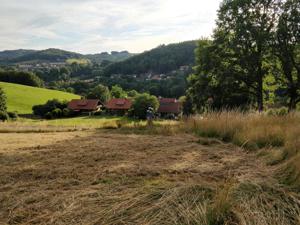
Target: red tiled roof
x,y
83,104
167,100
169,105
119,103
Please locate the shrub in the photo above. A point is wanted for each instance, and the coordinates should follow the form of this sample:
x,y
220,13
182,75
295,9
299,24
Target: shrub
x,y
49,116
50,106
271,112
282,111
2,101
13,115
3,116
66,112
57,113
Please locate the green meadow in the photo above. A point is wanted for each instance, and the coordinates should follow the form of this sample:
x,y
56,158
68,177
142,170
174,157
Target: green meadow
x,y
21,98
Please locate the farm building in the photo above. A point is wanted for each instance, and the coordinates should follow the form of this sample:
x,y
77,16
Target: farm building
x,y
169,107
84,105
118,106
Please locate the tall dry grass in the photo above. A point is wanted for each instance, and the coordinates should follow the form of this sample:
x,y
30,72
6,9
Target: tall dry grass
x,y
252,131
280,135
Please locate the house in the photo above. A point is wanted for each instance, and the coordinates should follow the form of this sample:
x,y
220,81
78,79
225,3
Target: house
x,y
118,106
169,107
85,105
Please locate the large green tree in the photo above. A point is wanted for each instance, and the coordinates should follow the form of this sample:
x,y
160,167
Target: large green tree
x,y
118,92
287,48
248,26
142,102
100,92
216,82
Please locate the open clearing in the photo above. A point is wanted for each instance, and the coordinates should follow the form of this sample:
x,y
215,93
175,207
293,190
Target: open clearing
x,y
96,177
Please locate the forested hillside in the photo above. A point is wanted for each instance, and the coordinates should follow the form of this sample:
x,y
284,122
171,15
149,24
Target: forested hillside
x,y
51,54
11,54
162,59
57,55
114,56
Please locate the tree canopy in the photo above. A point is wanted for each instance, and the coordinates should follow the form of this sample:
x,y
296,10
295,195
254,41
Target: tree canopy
x,y
253,56
100,92
142,102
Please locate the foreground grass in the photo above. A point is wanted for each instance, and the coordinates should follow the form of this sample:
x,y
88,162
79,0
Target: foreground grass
x,y
21,98
97,177
238,169
80,123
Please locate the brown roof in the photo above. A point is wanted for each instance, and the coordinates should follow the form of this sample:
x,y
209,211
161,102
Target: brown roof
x,y
167,100
83,104
119,103
169,105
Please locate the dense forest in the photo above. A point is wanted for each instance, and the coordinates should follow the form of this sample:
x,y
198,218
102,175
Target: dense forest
x,y
162,59
253,59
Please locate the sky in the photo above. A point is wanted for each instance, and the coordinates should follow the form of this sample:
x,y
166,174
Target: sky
x,y
93,26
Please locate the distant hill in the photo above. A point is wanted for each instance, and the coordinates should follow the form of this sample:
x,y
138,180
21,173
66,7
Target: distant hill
x,y
21,98
114,56
162,59
12,54
48,55
57,55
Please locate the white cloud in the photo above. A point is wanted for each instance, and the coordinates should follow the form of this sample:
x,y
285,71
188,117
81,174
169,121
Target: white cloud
x,y
92,26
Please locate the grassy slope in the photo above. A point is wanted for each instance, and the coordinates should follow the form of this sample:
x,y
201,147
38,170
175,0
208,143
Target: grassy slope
x,y
21,98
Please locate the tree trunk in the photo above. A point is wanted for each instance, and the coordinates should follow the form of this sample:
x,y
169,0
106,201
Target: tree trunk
x,y
260,101
293,99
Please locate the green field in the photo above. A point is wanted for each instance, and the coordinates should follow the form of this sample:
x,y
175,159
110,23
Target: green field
x,y
21,98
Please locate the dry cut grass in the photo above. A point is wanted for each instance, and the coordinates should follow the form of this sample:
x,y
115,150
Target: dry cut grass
x,y
165,176
111,178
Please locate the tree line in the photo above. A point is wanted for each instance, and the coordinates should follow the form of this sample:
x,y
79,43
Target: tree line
x,y
20,77
253,58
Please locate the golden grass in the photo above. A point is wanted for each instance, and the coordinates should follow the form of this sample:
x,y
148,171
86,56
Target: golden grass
x,y
121,177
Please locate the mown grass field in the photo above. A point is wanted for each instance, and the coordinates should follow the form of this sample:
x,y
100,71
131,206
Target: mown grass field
x,y
219,168
79,123
21,98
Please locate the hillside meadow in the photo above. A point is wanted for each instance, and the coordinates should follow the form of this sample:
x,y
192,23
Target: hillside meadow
x,y
21,98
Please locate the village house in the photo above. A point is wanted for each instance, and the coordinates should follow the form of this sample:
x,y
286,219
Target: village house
x,y
169,107
85,105
118,106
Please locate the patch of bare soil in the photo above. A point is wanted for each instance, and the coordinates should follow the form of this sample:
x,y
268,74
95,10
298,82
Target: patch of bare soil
x,y
79,177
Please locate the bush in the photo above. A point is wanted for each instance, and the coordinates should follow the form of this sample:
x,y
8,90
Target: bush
x,y
271,112
55,107
66,112
2,101
3,116
283,111
49,116
57,113
13,115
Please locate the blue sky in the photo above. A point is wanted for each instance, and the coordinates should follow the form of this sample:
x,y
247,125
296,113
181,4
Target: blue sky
x,y
92,26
